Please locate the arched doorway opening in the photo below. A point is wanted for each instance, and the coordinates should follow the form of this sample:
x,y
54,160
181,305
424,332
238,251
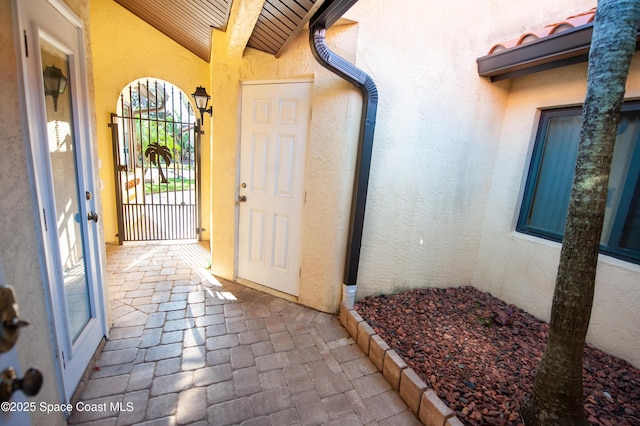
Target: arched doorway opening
x,y
156,161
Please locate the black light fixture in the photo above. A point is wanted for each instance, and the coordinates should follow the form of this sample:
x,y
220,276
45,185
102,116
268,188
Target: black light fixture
x,y
54,83
202,99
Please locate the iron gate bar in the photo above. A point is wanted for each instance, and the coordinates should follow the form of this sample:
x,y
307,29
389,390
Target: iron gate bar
x,y
116,175
153,212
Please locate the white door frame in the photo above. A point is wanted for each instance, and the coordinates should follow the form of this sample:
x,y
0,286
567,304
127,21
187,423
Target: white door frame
x,y
240,278
31,24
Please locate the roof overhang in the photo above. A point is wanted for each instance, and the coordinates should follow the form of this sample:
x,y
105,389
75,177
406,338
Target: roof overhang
x,y
187,23
280,23
274,27
558,50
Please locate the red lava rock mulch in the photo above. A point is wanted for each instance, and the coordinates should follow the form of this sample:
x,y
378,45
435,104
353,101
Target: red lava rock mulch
x,y
480,355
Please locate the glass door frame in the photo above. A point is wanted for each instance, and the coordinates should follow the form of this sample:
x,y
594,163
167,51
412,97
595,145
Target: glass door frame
x,y
53,21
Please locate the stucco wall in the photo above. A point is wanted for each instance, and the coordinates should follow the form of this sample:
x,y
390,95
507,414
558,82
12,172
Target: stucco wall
x,y
450,158
435,141
437,134
126,48
521,269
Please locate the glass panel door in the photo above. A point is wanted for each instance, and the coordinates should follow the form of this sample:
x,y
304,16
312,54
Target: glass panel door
x,y
66,193
56,101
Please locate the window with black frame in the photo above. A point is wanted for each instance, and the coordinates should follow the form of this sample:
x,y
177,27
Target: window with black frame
x,y
546,197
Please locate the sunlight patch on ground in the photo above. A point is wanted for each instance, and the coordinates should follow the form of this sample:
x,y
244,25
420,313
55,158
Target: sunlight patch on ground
x,y
141,258
207,277
199,259
222,295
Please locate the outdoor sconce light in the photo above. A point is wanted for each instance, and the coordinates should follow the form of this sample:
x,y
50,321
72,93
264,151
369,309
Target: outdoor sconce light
x,y
202,99
54,83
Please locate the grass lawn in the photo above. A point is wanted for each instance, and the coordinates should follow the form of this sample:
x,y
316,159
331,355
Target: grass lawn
x,y
175,184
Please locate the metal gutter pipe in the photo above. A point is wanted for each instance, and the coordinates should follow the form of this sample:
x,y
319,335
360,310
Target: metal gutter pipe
x,y
326,16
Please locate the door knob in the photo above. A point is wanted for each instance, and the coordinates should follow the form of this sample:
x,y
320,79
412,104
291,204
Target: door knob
x,y
93,216
9,321
242,198
30,384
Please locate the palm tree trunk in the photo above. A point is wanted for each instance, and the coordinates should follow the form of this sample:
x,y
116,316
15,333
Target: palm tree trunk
x,y
163,178
557,397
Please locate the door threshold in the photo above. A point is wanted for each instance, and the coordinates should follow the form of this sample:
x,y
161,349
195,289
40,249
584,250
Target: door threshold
x,y
265,289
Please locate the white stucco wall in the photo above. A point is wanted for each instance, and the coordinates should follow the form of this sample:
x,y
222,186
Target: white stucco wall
x,y
521,269
434,143
437,134
451,155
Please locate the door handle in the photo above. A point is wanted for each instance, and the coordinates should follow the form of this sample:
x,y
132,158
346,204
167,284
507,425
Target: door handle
x,y
30,384
10,323
242,198
93,216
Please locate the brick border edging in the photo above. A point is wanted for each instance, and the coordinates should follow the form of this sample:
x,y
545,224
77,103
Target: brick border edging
x,y
423,401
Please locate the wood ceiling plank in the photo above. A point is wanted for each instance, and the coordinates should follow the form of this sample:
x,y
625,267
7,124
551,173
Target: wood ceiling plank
x,y
294,34
268,35
294,8
306,4
188,23
279,22
271,13
257,43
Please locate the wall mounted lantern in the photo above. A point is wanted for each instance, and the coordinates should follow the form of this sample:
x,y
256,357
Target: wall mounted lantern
x,y
54,83
202,99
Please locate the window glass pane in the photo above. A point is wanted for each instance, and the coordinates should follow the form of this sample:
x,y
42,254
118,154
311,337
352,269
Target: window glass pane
x,y
630,236
548,189
622,219
553,186
66,193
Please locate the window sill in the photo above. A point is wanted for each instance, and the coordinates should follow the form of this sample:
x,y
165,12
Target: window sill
x,y
602,257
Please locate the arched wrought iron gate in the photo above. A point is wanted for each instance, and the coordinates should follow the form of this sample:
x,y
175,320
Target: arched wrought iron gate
x,y
156,143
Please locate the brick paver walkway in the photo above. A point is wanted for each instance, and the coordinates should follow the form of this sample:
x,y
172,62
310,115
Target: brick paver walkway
x,y
187,348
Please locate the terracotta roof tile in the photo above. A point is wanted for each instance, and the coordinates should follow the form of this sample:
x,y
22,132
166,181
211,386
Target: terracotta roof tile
x,y
558,27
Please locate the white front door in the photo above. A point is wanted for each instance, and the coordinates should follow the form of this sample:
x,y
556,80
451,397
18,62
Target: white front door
x,y
59,139
274,131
